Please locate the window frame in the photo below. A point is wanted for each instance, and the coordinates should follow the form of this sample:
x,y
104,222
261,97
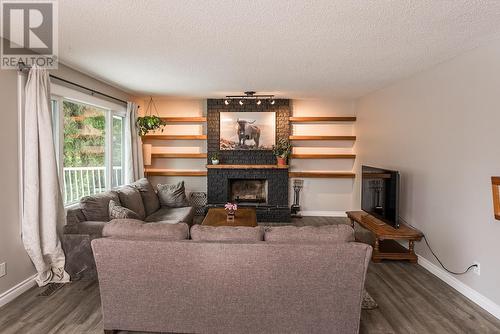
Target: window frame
x,y
59,94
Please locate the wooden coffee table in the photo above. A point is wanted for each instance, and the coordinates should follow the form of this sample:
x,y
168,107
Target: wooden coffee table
x,y
242,217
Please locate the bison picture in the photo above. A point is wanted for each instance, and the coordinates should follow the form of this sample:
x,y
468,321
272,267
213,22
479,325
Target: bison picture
x,y
248,131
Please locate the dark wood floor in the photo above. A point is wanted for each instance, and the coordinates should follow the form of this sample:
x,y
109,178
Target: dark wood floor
x,y
411,300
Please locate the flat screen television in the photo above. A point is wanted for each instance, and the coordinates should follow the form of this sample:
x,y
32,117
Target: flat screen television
x,y
380,194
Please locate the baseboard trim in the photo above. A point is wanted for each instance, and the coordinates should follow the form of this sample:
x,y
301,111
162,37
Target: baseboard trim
x,y
323,213
17,290
485,303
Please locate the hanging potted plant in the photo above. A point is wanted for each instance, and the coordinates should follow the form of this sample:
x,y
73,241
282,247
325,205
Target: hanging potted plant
x,y
146,124
149,122
282,150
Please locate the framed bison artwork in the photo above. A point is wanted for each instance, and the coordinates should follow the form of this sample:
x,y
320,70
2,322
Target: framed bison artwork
x,y
247,130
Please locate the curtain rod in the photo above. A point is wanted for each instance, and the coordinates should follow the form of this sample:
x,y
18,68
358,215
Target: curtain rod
x,y
23,67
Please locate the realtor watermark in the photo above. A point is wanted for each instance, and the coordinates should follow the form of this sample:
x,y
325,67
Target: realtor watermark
x,y
29,30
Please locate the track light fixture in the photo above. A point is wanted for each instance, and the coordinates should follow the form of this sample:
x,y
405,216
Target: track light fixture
x,y
250,95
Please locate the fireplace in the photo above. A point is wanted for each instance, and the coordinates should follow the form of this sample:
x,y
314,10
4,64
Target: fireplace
x,y
248,177
248,191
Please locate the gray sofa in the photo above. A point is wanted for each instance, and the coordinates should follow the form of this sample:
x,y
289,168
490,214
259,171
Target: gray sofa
x,y
230,286
86,220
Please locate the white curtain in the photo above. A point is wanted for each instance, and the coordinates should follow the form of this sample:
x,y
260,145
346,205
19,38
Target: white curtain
x,y
133,146
43,211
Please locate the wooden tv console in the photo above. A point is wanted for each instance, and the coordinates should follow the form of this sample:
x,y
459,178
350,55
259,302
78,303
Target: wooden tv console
x,y
386,246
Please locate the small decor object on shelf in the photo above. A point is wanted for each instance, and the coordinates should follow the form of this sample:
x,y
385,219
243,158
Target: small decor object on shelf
x,y
149,122
282,150
215,158
230,210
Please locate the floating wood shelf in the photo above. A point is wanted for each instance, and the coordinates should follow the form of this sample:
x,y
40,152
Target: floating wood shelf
x,y
174,172
180,155
176,137
247,166
184,119
330,175
322,156
322,137
322,119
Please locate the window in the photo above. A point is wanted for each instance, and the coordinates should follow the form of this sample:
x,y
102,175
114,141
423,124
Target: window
x,y
89,143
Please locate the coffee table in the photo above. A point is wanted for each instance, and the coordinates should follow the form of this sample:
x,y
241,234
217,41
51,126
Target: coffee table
x,y
242,217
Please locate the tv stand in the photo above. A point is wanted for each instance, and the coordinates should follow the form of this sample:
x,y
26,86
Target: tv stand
x,y
385,246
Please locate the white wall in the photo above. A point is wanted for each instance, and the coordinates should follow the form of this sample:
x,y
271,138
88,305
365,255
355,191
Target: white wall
x,y
19,266
324,196
441,130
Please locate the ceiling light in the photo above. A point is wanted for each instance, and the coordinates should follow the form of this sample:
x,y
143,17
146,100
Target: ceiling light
x,y
250,95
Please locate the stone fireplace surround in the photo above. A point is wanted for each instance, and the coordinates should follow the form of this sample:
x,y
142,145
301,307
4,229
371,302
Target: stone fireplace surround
x,y
255,165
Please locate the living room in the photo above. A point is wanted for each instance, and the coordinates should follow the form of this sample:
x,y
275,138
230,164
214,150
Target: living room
x,y
250,167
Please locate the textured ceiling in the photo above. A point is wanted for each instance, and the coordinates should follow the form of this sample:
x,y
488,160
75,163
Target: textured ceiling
x,y
292,48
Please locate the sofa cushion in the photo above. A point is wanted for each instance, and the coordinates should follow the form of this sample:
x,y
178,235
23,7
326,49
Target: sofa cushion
x,y
86,227
74,215
131,199
119,212
327,233
184,215
136,229
173,195
227,233
96,207
148,194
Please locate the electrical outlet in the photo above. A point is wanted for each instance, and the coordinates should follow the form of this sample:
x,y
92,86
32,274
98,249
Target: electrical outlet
x,y
477,270
3,272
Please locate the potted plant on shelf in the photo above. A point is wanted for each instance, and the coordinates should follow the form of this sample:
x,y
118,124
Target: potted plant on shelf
x,y
215,158
282,150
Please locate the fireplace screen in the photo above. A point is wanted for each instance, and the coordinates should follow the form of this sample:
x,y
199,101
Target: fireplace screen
x,y
248,191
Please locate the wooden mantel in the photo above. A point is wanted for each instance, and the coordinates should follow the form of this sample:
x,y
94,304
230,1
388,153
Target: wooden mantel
x,y
247,167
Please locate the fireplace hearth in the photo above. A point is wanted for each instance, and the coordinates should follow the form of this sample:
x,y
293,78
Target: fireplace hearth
x,y
248,191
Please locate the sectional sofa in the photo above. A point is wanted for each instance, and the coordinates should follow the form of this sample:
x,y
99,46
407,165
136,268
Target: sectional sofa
x,y
86,220
169,278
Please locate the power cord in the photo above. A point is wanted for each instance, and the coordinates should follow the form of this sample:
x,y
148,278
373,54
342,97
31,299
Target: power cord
x,y
434,254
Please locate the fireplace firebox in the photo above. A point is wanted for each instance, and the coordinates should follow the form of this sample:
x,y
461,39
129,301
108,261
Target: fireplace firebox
x,y
248,191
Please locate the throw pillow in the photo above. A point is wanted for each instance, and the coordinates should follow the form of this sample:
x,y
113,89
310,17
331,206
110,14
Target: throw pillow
x,y
117,211
227,233
173,195
136,229
96,207
131,198
148,194
327,233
